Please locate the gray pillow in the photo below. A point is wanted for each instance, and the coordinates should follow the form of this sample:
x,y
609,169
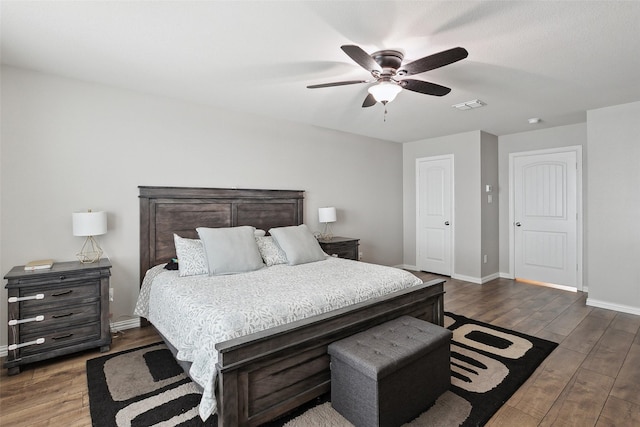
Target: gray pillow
x,y
230,250
298,244
192,260
270,251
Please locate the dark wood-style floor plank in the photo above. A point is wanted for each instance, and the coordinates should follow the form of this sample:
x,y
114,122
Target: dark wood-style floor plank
x,y
582,400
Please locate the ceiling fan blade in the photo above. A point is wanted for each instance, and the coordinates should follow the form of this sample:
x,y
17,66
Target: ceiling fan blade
x,y
348,82
361,57
427,88
369,101
436,60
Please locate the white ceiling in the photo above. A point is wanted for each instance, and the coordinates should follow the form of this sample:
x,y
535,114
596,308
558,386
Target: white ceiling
x,y
554,60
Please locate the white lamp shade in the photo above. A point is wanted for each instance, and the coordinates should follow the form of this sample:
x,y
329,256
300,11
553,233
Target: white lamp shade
x,y
89,223
385,91
327,214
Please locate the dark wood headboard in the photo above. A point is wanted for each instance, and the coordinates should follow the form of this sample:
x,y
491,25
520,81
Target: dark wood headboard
x,y
168,210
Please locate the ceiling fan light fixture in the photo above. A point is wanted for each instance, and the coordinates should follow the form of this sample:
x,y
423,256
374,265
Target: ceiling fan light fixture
x,y
385,91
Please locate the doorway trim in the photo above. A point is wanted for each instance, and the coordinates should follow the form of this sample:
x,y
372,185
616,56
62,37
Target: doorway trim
x,y
452,245
579,208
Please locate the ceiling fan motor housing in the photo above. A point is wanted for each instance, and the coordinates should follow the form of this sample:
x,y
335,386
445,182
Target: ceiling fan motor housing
x,y
389,61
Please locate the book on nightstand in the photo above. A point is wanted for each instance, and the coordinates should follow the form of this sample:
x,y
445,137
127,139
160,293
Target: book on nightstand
x,y
41,264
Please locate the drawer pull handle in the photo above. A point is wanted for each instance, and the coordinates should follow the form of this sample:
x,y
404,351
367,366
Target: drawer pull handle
x,y
18,299
63,277
61,337
25,344
57,316
62,293
14,322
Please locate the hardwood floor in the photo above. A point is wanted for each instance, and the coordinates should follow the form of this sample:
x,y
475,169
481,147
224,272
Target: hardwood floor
x,y
54,392
591,379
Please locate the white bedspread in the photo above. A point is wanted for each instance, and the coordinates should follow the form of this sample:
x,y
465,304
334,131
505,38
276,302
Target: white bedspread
x,y
194,313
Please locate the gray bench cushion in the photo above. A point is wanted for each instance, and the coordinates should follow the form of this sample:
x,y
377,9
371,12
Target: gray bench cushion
x,y
386,348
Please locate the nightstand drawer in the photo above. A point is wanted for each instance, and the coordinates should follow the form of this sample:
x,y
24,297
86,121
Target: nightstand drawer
x,y
60,338
348,252
59,295
342,247
36,278
62,317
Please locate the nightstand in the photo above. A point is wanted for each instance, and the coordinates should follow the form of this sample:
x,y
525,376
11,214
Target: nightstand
x,y
342,247
57,311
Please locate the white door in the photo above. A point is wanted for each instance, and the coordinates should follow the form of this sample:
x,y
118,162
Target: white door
x,y
434,223
545,217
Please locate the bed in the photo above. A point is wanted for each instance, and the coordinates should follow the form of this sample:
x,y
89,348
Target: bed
x,y
264,374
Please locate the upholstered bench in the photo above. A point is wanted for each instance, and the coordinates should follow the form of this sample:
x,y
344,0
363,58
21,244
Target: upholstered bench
x,y
391,373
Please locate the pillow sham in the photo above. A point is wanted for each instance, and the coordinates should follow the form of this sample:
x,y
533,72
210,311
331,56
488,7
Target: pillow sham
x,y
298,244
192,260
230,250
270,251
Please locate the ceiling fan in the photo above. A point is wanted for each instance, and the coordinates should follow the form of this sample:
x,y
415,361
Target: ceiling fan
x,y
388,73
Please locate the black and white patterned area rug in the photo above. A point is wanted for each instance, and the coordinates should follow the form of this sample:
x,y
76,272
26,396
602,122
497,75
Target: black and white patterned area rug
x,y
146,387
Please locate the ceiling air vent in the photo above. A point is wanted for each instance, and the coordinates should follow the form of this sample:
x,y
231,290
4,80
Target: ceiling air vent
x,y
476,103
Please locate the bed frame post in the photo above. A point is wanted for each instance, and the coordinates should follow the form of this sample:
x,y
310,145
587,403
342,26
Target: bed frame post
x,y
145,262
228,393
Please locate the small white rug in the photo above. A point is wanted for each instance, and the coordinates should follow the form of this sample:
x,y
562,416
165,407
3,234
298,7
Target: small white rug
x,y
450,410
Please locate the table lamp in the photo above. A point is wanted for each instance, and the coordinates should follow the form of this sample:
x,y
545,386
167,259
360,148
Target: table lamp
x,y
89,224
327,216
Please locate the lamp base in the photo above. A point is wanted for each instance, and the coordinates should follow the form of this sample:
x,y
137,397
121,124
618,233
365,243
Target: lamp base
x,y
326,234
90,252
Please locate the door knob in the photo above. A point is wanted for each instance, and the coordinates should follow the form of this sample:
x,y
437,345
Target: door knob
x,y
446,223
518,224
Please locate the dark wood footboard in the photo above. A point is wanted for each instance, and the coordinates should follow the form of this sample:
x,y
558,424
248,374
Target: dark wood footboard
x,y
267,374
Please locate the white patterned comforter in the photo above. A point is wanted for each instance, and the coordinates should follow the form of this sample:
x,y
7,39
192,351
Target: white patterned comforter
x,y
194,313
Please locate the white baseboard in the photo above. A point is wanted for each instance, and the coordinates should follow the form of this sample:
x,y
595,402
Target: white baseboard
x,y
490,277
477,280
115,326
470,279
610,306
407,267
125,324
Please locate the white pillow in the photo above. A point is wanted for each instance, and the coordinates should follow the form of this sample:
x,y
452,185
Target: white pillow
x,y
270,251
230,250
192,260
298,244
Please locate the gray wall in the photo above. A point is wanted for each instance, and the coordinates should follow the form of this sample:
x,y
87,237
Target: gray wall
x,y
613,229
490,211
69,146
561,136
469,197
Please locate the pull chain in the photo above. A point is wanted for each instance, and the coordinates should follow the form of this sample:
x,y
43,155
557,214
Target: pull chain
x,y
384,117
